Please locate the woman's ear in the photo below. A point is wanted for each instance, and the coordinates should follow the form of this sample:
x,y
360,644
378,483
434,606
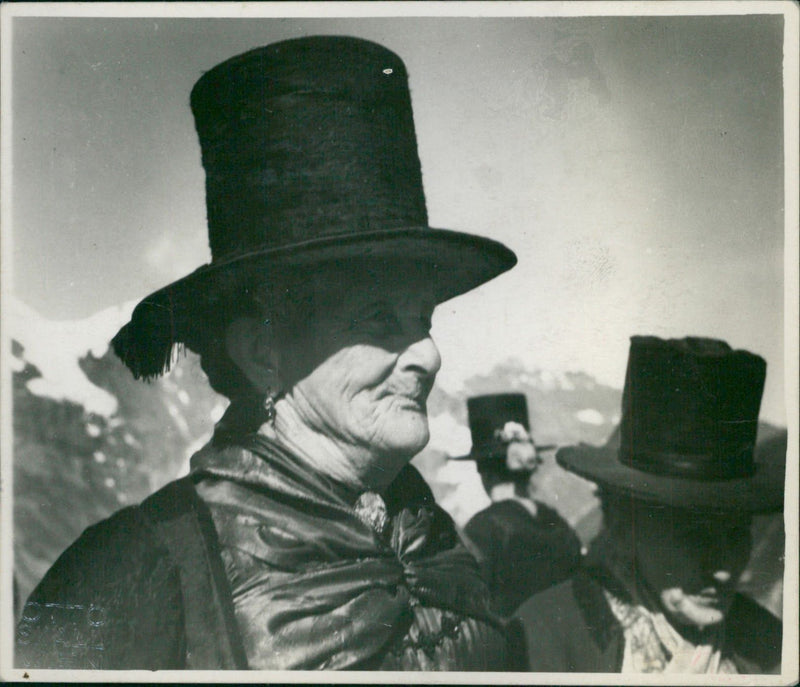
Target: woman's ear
x,y
249,342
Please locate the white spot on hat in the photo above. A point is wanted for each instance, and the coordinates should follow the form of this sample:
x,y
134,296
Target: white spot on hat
x,y
388,70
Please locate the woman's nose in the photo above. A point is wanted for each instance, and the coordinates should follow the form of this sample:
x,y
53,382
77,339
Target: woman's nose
x,y
422,355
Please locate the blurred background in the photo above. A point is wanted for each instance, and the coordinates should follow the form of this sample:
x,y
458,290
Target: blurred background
x,y
635,165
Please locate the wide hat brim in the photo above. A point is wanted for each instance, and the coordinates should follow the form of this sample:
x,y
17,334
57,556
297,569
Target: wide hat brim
x,y
462,261
762,492
459,262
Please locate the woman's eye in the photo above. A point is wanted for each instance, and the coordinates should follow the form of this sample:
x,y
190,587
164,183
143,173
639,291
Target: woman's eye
x,y
377,322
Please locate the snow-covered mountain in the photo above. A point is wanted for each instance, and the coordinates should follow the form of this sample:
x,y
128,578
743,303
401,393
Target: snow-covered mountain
x,y
56,349
89,439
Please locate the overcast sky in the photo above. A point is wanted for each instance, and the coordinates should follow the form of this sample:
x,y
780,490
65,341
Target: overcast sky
x,y
635,165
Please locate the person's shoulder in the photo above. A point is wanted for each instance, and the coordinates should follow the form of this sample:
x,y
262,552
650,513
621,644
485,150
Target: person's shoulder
x,y
105,553
575,602
492,527
554,604
108,538
558,634
542,626
501,511
103,600
570,628
116,555
755,635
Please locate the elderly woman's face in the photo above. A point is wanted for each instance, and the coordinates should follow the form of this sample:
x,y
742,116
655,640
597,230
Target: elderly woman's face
x,y
362,363
692,561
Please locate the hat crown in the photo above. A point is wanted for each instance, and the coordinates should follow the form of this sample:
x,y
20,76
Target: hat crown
x,y
489,415
690,408
305,139
310,157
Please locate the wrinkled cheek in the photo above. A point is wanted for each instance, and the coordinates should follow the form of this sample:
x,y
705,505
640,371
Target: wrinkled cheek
x,y
367,419
392,425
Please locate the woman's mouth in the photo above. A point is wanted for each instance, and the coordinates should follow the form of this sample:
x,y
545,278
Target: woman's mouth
x,y
410,402
412,395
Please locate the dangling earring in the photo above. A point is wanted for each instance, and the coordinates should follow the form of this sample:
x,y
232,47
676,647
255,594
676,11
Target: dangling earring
x,y
269,408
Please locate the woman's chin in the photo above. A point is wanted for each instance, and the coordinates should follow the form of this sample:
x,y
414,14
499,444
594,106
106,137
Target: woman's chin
x,y
405,438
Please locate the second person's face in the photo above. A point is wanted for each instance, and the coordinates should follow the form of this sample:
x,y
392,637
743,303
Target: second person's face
x,y
692,561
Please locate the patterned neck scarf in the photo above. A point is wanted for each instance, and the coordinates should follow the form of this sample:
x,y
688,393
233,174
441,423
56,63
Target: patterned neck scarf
x,y
652,644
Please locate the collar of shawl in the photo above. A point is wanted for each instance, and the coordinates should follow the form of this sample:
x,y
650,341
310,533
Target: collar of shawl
x,y
335,550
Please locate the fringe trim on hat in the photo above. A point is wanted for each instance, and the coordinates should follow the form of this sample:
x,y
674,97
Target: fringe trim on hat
x,y
146,356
